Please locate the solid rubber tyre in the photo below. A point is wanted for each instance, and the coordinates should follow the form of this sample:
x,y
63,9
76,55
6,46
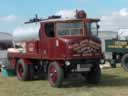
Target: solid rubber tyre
x,y
55,75
124,62
24,71
94,76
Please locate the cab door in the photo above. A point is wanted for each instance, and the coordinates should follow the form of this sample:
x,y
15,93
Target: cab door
x,y
48,41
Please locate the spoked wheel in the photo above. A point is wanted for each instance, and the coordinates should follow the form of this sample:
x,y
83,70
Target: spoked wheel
x,y
23,71
125,62
55,75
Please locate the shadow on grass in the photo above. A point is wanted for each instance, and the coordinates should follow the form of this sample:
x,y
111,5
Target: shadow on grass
x,y
113,80
107,80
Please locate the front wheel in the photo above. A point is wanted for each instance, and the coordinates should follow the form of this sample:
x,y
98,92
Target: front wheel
x,y
94,76
55,74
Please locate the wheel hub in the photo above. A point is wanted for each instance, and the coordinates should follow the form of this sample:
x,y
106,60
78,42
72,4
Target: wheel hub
x,y
53,74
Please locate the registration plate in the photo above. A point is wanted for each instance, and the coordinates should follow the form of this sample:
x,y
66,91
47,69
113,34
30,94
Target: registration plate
x,y
83,67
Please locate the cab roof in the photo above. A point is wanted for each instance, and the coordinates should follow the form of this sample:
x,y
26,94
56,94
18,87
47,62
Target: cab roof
x,y
70,19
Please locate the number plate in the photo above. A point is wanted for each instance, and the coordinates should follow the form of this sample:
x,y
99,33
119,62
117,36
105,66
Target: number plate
x,y
83,67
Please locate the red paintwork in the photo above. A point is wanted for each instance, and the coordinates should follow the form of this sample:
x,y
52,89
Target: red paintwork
x,y
32,47
46,47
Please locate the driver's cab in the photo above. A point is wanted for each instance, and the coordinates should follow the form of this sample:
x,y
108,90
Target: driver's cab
x,y
72,28
61,33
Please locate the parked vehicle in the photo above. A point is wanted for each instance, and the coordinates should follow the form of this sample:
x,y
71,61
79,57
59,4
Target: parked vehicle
x,y
58,47
119,51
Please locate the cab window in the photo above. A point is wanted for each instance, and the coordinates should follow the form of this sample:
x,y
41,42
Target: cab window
x,y
92,28
49,29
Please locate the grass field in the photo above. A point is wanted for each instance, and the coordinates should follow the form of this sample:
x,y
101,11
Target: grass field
x,y
114,83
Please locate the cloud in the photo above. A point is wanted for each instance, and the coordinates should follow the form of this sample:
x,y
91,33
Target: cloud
x,y
10,22
124,12
8,18
115,21
66,13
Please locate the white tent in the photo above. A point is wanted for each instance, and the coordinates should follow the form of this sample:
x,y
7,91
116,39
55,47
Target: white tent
x,y
5,42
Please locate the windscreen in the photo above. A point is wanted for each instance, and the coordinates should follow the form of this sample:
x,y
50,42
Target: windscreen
x,y
70,29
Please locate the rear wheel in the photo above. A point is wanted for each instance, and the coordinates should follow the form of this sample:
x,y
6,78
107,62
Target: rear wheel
x,y
24,71
124,62
94,76
55,74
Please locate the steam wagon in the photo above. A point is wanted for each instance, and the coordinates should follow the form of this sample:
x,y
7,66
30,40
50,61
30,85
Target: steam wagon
x,y
57,47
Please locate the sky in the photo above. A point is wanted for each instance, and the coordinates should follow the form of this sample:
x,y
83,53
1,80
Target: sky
x,y
113,13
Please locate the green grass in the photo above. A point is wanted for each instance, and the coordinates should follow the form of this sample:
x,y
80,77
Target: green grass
x,y
114,83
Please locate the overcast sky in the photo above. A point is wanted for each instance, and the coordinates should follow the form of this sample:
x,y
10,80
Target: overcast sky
x,y
113,13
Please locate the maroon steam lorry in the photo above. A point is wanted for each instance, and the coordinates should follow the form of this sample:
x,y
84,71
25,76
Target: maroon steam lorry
x,y
57,47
